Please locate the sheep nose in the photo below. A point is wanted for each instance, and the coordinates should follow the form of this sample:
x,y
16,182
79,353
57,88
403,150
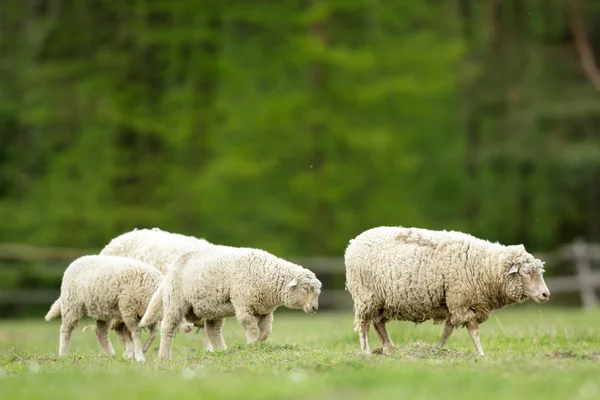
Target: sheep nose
x,y
546,295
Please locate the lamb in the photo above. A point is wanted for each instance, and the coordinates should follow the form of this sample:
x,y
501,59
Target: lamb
x,y
242,282
411,274
105,288
155,247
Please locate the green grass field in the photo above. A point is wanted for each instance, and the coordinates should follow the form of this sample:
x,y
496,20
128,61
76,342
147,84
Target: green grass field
x,y
532,353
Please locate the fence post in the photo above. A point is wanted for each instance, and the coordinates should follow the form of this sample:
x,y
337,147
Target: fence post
x,y
584,273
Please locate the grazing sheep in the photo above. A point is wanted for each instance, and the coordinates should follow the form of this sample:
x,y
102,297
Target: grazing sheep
x,y
411,274
107,288
246,283
155,247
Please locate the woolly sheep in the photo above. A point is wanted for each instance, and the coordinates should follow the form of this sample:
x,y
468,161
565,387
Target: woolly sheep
x,y
155,247
106,288
242,282
411,274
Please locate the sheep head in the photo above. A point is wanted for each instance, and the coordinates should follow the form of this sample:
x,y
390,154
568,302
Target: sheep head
x,y
303,292
526,275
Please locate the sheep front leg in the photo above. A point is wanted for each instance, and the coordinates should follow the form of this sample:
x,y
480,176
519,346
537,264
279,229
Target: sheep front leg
x,y
473,328
103,339
126,340
250,324
448,328
265,325
213,329
138,352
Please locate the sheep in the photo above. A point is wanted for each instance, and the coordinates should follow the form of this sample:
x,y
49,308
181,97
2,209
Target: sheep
x,y
104,288
155,247
412,274
242,282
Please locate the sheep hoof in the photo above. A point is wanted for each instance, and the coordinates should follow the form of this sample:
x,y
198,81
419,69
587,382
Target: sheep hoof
x,y
378,351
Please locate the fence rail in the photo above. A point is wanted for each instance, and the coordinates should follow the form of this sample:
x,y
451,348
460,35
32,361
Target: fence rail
x,y
583,257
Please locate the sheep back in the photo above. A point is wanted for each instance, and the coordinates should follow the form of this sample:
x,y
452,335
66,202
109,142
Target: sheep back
x,y
105,285
153,246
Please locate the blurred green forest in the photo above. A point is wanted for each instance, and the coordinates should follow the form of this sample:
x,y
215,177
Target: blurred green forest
x,y
295,125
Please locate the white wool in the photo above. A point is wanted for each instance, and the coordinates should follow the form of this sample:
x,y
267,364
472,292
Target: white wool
x,y
412,274
225,282
106,288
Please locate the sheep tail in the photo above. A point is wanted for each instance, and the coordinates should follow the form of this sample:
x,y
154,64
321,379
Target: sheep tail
x,y
54,310
155,308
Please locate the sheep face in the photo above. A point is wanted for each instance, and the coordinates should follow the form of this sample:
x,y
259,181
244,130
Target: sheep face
x,y
304,294
530,271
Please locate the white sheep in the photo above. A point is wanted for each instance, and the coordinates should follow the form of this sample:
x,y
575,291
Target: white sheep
x,y
155,247
106,288
412,274
246,283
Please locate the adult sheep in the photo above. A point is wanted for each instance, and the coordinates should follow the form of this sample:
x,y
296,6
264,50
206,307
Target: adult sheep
x,y
411,274
106,288
154,246
242,282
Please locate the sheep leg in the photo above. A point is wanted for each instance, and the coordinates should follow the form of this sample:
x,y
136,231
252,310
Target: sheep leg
x,y
66,329
265,325
384,337
126,339
131,322
448,328
168,329
363,334
473,328
103,339
213,329
250,324
153,331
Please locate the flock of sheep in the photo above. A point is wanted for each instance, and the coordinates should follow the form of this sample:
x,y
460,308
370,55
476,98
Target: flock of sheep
x,y
154,279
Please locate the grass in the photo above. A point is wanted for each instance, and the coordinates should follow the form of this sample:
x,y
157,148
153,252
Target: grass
x,y
533,353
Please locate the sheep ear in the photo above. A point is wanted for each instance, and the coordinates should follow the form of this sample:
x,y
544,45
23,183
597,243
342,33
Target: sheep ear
x,y
293,283
514,269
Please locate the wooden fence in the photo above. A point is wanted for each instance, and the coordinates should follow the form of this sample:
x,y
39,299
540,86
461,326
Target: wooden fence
x,y
574,268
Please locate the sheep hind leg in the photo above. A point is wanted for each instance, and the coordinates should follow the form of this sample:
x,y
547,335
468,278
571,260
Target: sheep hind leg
x,y
362,326
168,330
103,339
384,338
473,328
66,329
448,328
153,331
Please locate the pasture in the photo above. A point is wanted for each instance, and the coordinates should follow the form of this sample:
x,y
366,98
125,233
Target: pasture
x,y
533,352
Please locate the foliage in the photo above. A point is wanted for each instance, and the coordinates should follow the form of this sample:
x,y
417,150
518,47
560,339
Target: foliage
x,y
293,126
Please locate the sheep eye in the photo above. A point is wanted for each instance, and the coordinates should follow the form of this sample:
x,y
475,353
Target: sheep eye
x,y
305,288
